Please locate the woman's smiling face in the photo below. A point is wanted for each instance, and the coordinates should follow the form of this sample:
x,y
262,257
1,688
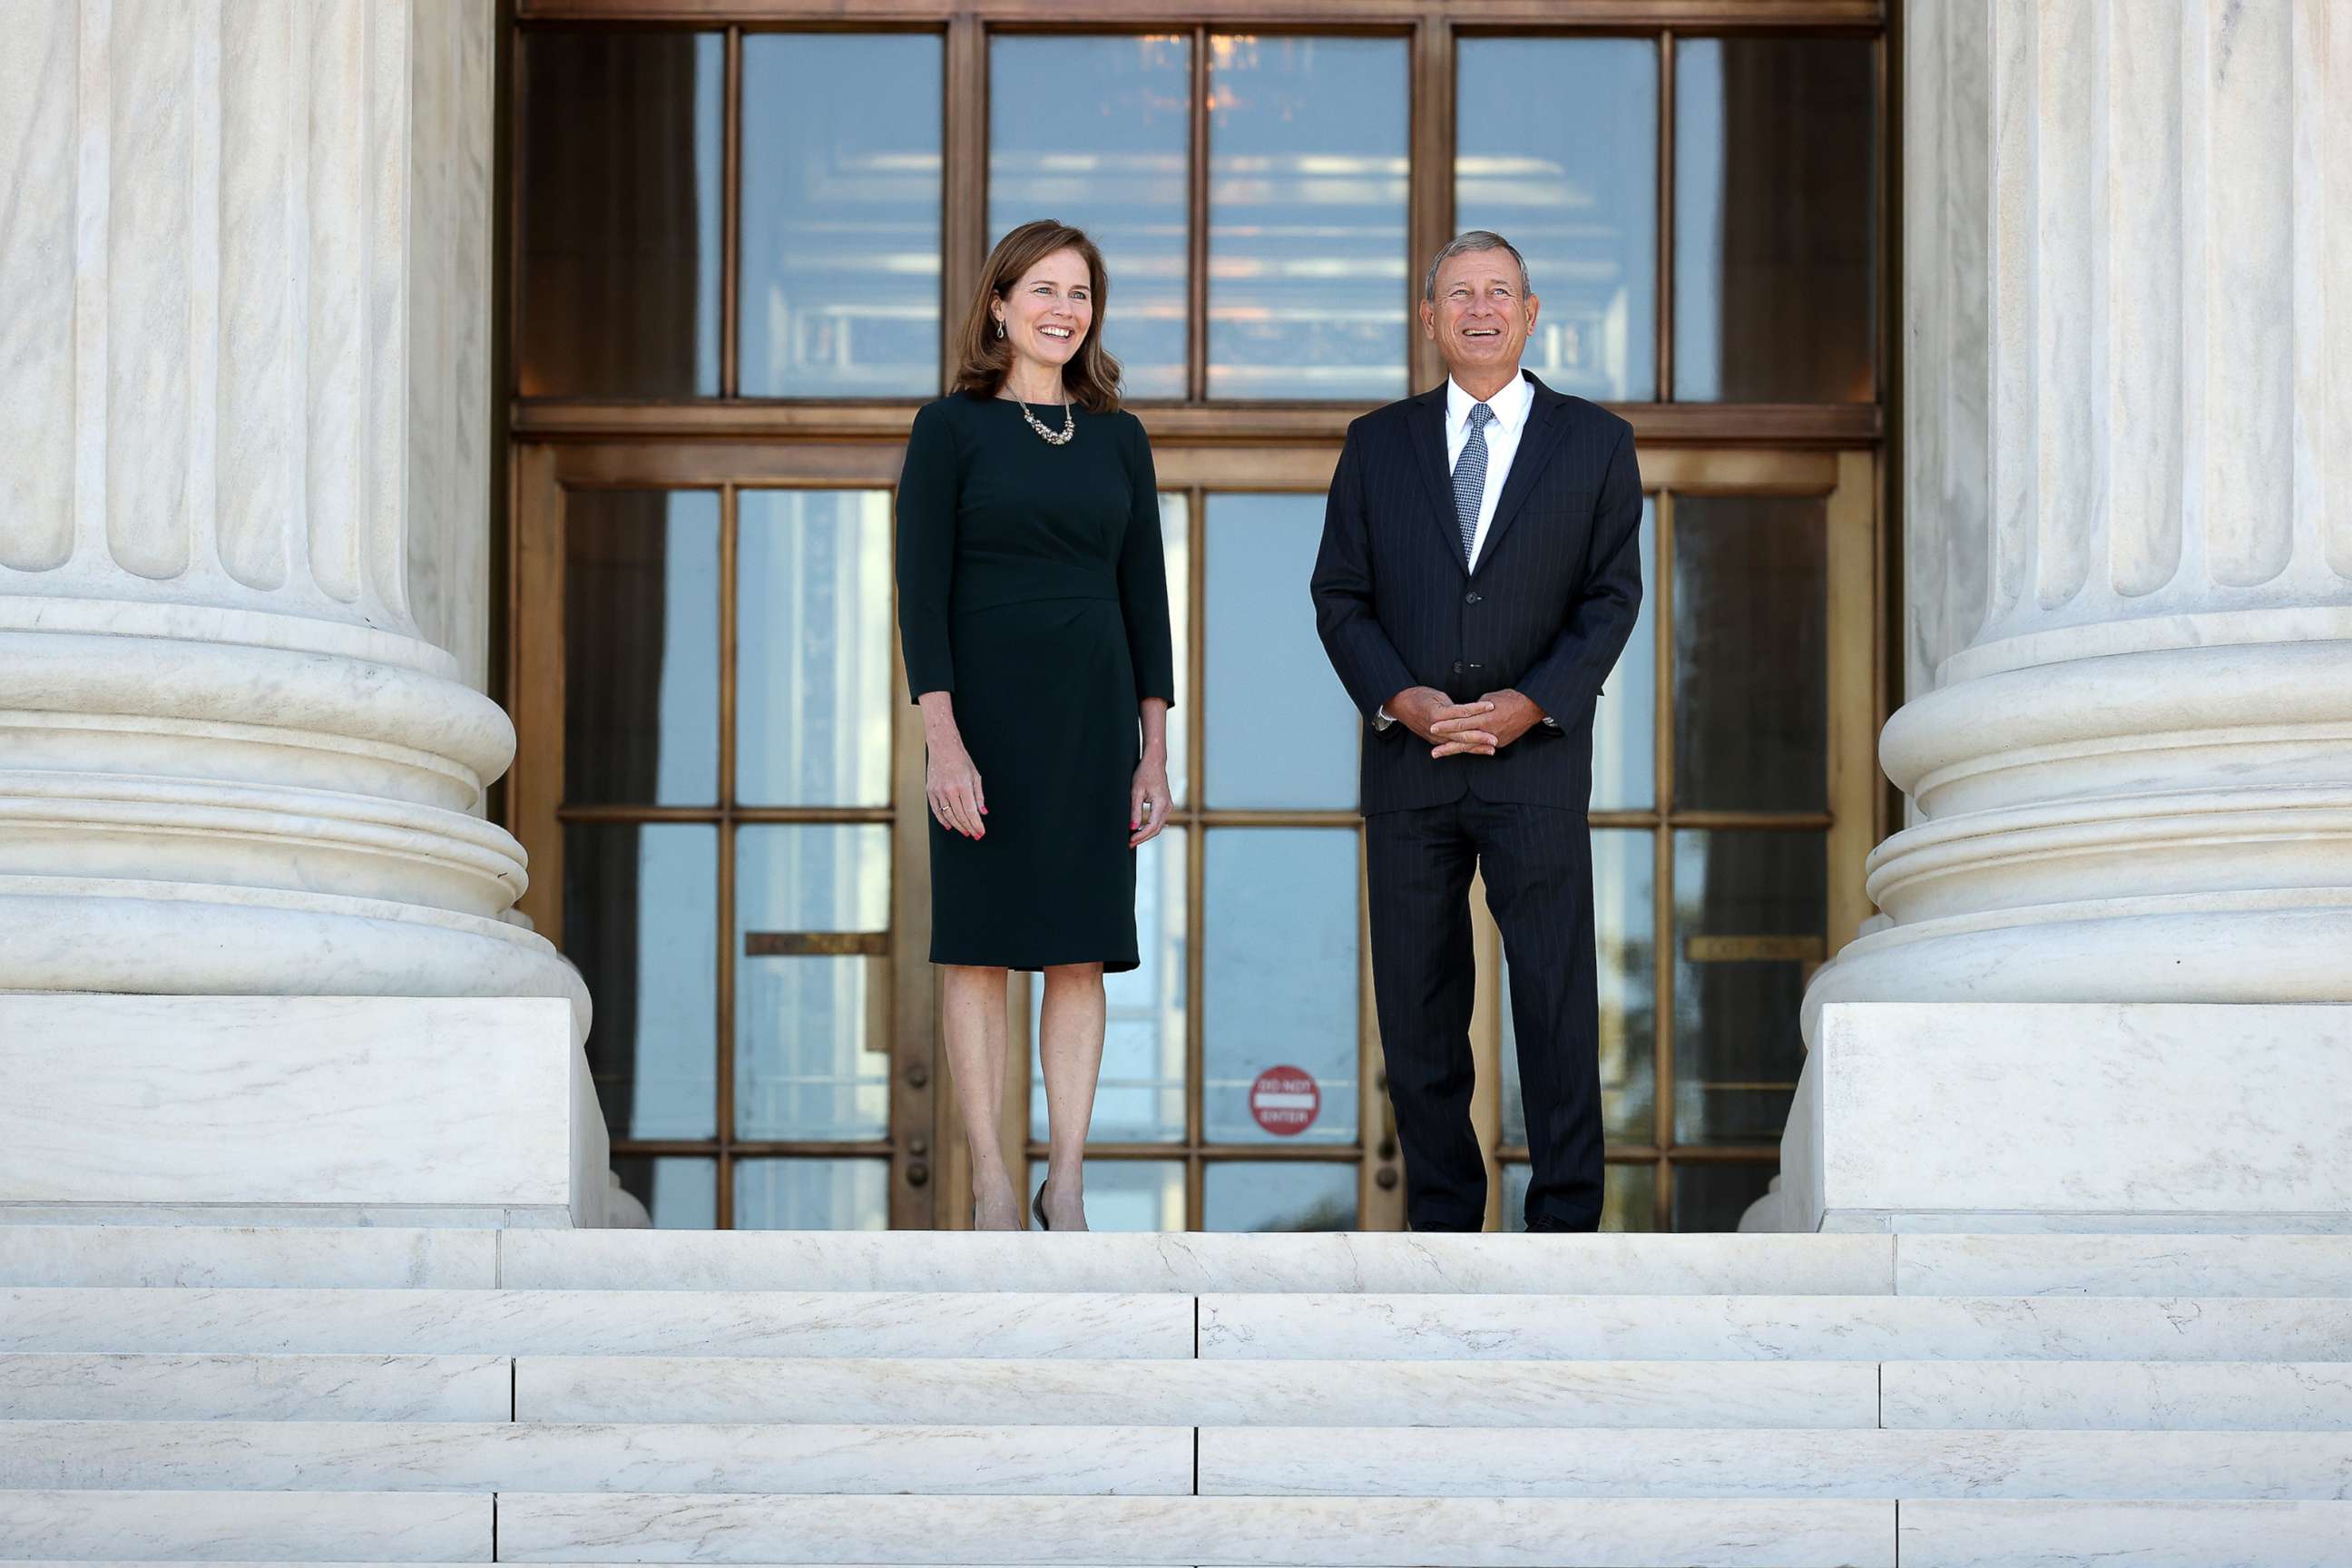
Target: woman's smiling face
x,y
1049,311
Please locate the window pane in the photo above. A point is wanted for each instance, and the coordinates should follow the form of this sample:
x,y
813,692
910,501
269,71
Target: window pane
x,y
814,685
1284,1195
1628,1197
679,1193
641,920
1139,1097
1776,172
1282,733
1751,666
1737,1048
1624,723
812,1036
1557,150
1097,132
1127,1195
1280,986
1307,176
619,136
811,1195
640,648
841,215
1714,1196
1624,911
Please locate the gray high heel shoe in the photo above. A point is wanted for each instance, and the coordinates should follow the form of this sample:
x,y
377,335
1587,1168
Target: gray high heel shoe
x,y
1037,1207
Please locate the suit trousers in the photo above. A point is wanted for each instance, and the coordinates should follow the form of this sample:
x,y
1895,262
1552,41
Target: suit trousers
x,y
1537,862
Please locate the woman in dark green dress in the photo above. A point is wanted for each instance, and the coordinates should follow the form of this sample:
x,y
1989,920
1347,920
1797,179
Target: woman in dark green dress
x,y
1033,609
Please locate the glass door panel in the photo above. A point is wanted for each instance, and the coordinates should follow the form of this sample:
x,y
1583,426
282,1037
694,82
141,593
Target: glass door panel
x,y
641,673
1308,172
842,179
1556,148
1097,132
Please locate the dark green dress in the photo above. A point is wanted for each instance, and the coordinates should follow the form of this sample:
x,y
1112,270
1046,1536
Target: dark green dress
x,y
1031,586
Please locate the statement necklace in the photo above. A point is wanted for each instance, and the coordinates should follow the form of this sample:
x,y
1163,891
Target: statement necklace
x,y
1062,437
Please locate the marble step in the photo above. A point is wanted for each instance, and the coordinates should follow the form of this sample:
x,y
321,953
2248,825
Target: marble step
x,y
2146,1534
1244,1533
2279,1396
197,1526
295,1257
1190,1264
1724,1328
1146,1461
303,1257
391,1456
1520,1463
1658,1394
2198,1266
598,1323
164,1387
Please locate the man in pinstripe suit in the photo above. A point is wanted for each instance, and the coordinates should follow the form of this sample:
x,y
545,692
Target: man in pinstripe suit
x,y
1480,575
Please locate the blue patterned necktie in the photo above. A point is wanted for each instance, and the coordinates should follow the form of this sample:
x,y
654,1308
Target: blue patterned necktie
x,y
1470,478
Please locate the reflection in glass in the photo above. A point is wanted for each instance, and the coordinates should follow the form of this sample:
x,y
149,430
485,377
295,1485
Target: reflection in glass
x,y
640,648
1139,1097
1737,1048
1557,150
1624,723
1278,1194
1097,132
1127,1195
679,1192
1711,1195
811,1195
1751,670
1624,911
1282,732
1280,982
618,137
1176,550
1308,176
841,215
641,920
1776,148
1628,1197
812,1031
814,689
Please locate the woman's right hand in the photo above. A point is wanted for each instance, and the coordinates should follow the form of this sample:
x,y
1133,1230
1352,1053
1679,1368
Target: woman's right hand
x,y
953,788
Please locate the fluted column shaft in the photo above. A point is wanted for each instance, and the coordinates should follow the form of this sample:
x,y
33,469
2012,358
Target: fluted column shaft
x,y
243,373
2129,304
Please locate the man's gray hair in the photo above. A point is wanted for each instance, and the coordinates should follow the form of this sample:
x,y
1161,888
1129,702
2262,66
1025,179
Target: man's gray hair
x,y
1476,239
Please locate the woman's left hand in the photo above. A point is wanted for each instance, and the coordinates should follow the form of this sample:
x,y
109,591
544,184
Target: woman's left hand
x,y
1150,802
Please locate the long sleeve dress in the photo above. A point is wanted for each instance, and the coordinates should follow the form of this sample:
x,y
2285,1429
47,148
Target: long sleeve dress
x,y
1032,588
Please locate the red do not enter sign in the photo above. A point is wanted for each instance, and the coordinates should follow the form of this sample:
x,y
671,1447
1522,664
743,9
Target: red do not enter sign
x,y
1285,1101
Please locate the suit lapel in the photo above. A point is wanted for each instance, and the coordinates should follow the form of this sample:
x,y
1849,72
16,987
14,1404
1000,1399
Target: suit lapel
x,y
1537,442
1427,420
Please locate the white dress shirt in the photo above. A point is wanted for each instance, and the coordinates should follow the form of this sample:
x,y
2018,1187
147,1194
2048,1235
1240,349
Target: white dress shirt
x,y
1510,408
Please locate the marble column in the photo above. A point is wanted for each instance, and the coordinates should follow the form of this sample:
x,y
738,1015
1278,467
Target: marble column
x,y
2127,497
243,540
259,956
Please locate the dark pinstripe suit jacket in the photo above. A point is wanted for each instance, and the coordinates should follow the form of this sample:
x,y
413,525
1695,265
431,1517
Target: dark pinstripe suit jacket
x,y
1547,612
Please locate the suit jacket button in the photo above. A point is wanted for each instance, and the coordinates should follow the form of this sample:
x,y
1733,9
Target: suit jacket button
x,y
1470,598
1457,667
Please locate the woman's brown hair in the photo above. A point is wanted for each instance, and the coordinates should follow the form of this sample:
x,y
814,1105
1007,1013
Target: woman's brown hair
x,y
983,359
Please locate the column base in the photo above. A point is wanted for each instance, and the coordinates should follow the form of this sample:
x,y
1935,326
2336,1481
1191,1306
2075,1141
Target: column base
x,y
297,1110
2113,1117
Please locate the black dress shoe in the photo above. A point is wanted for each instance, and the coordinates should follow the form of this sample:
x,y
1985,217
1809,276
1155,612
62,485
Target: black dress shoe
x,y
1548,1225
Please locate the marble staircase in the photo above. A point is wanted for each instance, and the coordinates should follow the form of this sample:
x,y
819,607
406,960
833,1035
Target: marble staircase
x,y
184,1394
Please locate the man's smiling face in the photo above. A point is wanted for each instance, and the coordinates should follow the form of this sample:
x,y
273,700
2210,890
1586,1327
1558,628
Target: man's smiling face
x,y
1481,315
